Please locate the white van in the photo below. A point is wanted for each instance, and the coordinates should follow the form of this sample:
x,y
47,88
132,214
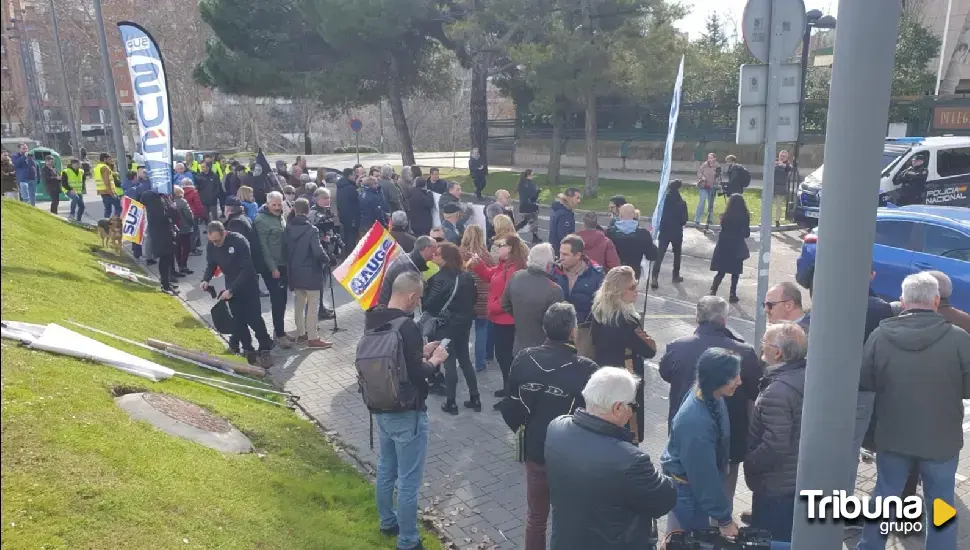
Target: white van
x,y
942,179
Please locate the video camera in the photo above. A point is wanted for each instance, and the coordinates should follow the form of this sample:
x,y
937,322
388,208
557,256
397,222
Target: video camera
x,y
748,538
329,236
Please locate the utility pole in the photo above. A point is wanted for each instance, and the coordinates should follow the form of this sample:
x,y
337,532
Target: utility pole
x,y
109,87
856,129
69,106
775,56
35,112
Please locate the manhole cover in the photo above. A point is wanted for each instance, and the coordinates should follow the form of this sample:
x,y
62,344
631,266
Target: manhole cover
x,y
187,413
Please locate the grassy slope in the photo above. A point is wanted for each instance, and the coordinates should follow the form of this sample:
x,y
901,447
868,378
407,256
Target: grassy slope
x,y
643,194
76,472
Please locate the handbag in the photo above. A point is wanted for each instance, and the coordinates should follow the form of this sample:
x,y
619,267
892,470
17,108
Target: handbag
x,y
429,323
222,318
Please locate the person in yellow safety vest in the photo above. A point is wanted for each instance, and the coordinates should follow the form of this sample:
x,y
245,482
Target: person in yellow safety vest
x,y
72,180
132,165
217,169
190,163
105,184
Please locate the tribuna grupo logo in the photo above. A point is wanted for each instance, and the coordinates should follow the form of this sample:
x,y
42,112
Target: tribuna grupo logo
x,y
894,514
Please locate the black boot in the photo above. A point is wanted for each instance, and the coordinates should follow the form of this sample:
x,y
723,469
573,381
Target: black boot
x,y
325,314
733,299
474,403
677,279
654,284
450,407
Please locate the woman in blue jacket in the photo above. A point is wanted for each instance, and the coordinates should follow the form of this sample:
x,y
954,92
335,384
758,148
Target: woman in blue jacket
x,y
698,450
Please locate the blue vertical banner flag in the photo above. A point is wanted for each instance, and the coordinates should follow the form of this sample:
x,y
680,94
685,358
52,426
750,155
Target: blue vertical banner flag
x,y
668,150
148,82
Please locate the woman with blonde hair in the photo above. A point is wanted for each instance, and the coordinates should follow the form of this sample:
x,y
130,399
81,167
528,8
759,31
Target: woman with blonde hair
x,y
617,331
472,244
248,200
503,226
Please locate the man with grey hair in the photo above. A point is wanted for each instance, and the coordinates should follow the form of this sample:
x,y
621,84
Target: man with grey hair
x,y
544,382
453,197
399,230
528,295
269,224
603,489
392,194
372,205
918,365
773,436
678,367
955,316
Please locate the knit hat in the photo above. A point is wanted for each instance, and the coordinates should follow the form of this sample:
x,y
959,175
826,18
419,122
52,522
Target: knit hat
x,y
450,208
715,368
232,201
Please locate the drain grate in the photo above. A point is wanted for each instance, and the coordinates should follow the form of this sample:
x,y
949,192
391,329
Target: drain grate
x,y
187,413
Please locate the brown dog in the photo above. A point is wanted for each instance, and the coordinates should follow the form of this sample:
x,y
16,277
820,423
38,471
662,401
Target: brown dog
x,y
110,232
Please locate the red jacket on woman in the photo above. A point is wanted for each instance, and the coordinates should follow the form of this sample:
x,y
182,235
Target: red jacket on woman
x,y
195,203
497,277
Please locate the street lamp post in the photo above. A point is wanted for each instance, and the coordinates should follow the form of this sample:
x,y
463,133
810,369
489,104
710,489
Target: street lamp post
x,y
813,20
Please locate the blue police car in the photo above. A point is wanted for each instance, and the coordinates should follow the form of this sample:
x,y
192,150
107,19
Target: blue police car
x,y
910,239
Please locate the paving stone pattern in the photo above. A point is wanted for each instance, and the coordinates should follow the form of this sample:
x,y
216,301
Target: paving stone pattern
x,y
470,477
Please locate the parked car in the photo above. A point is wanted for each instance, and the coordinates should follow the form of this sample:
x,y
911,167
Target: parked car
x,y
910,239
944,177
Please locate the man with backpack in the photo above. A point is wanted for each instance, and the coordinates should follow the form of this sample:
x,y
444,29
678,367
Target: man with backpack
x,y
393,364
738,176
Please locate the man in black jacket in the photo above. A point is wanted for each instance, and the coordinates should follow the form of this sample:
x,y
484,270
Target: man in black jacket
x,y
776,422
210,190
633,243
678,367
425,248
348,208
404,434
230,252
604,490
544,382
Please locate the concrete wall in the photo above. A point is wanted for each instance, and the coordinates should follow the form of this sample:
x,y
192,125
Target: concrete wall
x,y
647,156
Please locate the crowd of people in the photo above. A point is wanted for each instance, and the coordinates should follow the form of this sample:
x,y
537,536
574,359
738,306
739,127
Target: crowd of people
x,y
560,321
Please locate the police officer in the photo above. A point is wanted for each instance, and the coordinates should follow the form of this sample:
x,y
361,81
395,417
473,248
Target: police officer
x,y
72,180
104,182
913,190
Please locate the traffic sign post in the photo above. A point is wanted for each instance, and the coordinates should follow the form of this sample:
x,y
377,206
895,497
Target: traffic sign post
x,y
356,126
772,29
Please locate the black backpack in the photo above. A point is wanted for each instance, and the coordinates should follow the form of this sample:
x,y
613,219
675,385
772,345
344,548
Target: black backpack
x,y
382,373
743,177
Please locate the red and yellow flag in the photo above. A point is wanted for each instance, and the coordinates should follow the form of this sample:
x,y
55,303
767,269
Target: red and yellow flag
x,y
363,271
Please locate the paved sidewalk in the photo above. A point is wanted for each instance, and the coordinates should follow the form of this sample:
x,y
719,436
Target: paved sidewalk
x,y
473,488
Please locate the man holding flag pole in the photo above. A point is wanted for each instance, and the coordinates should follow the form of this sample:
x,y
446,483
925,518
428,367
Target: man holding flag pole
x,y
665,171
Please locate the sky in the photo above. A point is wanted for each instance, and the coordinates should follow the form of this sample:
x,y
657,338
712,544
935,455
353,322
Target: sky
x,y
731,10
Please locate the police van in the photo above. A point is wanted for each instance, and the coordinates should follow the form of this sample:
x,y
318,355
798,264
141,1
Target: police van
x,y
916,170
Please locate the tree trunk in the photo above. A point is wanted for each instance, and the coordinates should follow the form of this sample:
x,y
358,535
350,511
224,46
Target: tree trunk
x,y
307,145
951,78
396,100
592,150
555,156
478,108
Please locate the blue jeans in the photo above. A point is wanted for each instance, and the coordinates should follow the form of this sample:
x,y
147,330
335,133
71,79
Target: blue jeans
x,y
705,200
404,444
28,192
938,482
773,514
77,205
111,203
687,515
483,343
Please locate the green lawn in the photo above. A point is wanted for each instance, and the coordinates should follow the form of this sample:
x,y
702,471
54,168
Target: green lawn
x,y
78,473
642,194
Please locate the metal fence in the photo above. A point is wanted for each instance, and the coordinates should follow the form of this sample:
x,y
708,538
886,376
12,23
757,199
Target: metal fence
x,y
711,122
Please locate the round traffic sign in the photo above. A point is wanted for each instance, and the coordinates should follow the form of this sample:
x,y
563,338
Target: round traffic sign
x,y
755,26
356,125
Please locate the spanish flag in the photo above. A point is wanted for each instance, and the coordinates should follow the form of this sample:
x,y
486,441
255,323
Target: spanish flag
x,y
363,271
